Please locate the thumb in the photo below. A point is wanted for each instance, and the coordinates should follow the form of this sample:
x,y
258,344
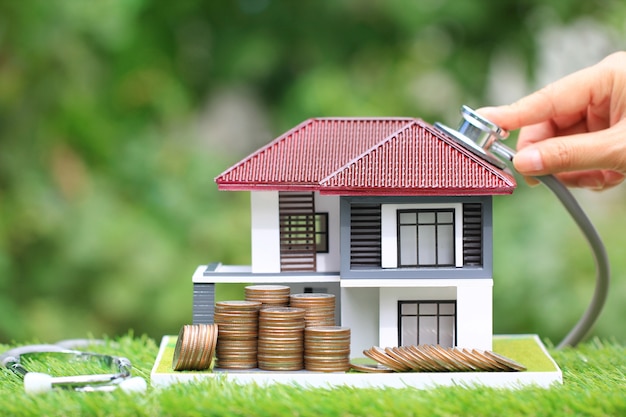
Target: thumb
x,y
597,150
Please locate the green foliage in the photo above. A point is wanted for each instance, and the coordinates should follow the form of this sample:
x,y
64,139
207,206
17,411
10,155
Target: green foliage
x,y
107,202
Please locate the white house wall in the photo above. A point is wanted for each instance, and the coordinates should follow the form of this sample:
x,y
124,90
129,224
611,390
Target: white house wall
x,y
359,312
265,232
331,261
474,309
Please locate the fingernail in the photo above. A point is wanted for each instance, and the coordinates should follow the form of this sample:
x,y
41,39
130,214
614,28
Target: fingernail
x,y
531,182
528,161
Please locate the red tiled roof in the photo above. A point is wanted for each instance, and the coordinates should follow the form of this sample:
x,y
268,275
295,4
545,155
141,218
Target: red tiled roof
x,y
377,156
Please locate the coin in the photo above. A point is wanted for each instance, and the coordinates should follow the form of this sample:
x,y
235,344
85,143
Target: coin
x,y
405,357
319,307
510,363
370,368
495,365
383,358
456,353
238,333
268,295
432,353
422,359
195,347
281,339
435,358
327,348
448,354
238,305
477,361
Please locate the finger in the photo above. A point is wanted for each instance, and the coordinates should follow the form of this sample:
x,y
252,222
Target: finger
x,y
567,97
532,181
536,133
600,150
529,135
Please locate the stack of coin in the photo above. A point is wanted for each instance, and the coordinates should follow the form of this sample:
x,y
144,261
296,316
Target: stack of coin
x,y
327,349
195,347
269,295
237,342
320,308
281,339
434,358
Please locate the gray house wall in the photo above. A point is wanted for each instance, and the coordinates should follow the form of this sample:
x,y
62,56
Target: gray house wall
x,y
203,303
471,272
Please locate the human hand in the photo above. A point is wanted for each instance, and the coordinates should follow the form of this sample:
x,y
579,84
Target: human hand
x,y
574,128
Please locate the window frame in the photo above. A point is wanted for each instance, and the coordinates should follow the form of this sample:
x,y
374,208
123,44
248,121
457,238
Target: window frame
x,y
389,232
438,316
436,223
321,246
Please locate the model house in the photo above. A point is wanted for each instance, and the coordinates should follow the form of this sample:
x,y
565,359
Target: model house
x,y
389,214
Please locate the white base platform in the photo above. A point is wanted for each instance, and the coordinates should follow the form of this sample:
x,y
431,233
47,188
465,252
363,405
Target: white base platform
x,y
163,375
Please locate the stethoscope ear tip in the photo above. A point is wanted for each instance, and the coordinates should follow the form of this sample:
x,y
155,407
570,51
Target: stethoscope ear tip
x,y
135,384
37,383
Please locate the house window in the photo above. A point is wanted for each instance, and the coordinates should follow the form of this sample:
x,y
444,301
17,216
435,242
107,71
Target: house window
x,y
427,323
299,231
432,235
425,237
321,232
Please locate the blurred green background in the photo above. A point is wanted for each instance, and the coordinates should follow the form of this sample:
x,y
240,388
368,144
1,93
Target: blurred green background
x,y
116,115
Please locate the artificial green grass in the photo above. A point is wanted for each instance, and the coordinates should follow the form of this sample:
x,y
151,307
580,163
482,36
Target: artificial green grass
x,y
594,385
524,351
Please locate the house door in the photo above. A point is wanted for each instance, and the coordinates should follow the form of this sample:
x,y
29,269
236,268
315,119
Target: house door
x,y
427,323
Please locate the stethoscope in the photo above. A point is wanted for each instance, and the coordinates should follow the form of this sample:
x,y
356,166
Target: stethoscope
x,y
35,382
482,138
475,133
